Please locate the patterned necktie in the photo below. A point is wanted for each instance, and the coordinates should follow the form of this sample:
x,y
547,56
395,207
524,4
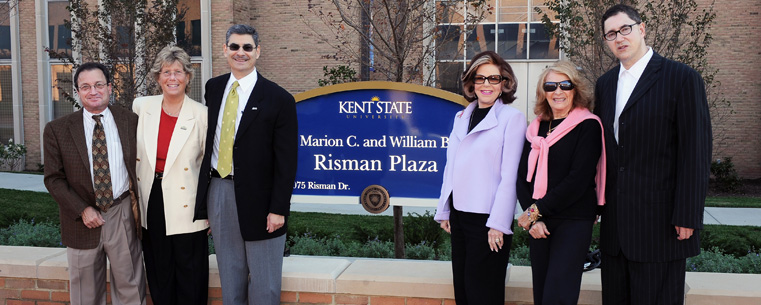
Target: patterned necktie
x,y
104,193
227,134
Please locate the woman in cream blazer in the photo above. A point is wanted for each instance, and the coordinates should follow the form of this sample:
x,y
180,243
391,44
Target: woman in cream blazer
x,y
170,146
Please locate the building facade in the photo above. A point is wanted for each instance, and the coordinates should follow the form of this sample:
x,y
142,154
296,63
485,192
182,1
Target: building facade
x,y
293,56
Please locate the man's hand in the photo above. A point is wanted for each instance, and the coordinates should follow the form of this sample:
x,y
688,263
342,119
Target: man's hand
x,y
92,218
445,225
683,233
274,222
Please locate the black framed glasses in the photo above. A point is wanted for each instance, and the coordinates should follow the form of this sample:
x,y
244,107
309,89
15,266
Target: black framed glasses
x,y
86,87
565,85
624,30
493,79
246,47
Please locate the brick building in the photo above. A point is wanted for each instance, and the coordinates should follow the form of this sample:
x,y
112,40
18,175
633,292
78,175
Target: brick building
x,y
293,57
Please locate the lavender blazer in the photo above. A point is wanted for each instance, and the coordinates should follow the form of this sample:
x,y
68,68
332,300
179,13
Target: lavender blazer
x,y
482,166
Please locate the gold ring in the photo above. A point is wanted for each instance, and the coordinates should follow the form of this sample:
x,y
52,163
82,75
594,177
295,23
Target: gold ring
x,y
497,239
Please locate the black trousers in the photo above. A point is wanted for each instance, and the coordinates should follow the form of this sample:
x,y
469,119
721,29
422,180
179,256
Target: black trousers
x,y
176,266
478,273
629,282
557,261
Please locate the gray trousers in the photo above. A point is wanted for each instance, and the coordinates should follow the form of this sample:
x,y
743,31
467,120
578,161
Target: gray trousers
x,y
118,243
248,270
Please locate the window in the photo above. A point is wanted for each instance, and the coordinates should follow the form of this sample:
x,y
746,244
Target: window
x,y
59,35
62,84
7,123
513,30
189,30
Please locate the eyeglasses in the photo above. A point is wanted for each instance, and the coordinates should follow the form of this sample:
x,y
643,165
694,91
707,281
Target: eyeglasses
x,y
625,30
246,47
86,88
493,79
565,85
176,74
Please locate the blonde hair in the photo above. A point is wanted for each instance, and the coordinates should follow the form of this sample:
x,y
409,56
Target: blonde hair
x,y
582,94
169,55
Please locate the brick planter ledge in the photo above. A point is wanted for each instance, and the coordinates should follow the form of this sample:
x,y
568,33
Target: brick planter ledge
x,y
39,276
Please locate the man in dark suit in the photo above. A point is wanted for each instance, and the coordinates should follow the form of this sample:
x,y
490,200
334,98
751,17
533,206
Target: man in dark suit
x,y
655,114
90,172
248,172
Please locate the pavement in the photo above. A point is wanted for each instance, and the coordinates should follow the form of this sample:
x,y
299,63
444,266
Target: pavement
x,y
721,216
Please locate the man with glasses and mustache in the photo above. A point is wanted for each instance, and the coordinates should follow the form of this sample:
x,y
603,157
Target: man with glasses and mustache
x,y
90,158
247,173
658,134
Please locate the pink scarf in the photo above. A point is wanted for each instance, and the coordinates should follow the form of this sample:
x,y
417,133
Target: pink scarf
x,y
540,149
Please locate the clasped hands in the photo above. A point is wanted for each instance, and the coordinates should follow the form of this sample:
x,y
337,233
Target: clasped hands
x,y
537,230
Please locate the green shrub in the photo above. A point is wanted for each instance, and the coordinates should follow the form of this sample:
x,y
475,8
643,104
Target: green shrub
x,y
420,251
520,256
423,229
751,263
713,261
735,240
725,176
27,233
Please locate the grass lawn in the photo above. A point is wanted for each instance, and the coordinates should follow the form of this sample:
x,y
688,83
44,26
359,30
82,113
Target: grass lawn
x,y
733,202
27,205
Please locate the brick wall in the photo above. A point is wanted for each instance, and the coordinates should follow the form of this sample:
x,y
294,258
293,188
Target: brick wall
x,y
735,52
29,84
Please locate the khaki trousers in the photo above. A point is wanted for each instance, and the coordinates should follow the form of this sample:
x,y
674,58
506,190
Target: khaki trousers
x,y
119,244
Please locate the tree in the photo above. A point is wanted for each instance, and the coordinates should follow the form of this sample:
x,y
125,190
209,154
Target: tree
x,y
123,35
396,39
676,29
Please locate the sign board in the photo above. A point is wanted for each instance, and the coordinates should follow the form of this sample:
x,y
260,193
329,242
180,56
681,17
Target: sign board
x,y
359,134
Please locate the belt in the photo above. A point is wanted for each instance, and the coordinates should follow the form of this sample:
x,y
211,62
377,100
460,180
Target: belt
x,y
215,174
158,175
120,198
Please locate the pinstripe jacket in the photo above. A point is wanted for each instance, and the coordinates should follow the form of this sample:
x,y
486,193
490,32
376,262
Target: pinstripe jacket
x,y
67,172
657,173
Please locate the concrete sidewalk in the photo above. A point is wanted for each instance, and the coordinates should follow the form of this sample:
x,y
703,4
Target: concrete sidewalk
x,y
722,216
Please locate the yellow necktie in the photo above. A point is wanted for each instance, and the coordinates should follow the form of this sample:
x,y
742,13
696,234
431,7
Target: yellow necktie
x,y
227,134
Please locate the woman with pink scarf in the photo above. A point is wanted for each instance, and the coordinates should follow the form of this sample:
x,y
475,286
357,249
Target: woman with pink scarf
x,y
560,184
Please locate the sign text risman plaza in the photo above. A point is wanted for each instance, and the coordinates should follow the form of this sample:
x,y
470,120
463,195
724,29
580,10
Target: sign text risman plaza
x,y
351,139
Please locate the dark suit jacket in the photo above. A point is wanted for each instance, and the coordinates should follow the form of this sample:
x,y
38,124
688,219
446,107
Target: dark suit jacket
x,y
264,156
67,172
658,172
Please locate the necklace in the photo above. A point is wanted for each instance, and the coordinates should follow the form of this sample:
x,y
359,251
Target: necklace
x,y
175,113
551,128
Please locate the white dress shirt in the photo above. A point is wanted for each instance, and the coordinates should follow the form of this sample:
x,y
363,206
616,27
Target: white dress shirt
x,y
245,87
119,175
627,80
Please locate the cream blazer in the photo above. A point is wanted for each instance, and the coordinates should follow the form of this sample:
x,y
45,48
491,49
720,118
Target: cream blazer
x,y
183,161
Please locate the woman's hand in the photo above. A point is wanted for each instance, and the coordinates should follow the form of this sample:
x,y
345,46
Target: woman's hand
x,y
539,230
523,221
496,239
445,225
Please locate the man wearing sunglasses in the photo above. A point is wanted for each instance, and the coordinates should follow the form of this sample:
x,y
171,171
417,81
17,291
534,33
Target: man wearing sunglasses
x,y
657,126
247,173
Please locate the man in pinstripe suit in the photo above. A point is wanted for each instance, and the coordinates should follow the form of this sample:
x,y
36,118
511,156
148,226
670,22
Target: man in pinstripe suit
x,y
655,114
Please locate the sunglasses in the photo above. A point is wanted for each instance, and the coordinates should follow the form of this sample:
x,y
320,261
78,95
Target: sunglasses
x,y
565,85
493,79
235,47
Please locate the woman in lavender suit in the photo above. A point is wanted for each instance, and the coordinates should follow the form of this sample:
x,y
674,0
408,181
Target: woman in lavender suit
x,y
478,196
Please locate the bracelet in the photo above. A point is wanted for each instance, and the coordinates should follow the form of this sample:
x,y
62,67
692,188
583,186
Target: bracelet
x,y
533,213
